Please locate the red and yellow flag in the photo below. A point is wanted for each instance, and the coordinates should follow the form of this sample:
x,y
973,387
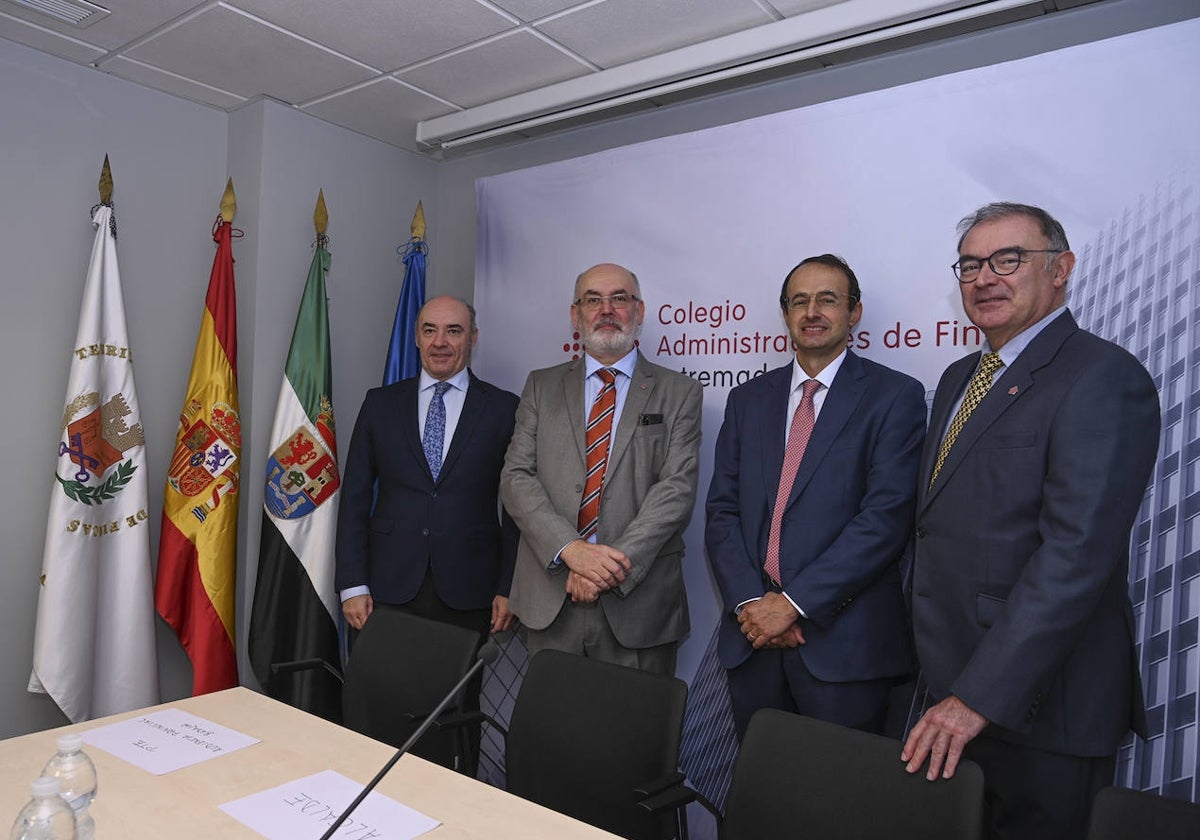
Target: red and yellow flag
x,y
197,555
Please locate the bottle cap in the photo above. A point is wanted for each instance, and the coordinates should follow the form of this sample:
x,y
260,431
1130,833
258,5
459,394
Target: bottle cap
x,y
69,743
45,786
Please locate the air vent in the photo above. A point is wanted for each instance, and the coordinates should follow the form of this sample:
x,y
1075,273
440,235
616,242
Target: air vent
x,y
76,12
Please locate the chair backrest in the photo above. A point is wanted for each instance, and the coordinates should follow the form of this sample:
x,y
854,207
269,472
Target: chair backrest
x,y
835,782
1122,814
400,667
585,734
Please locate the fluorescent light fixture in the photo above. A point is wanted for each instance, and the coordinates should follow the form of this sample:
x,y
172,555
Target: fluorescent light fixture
x,y
821,32
75,12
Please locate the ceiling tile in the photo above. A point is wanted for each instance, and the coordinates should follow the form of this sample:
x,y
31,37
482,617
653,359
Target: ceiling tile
x,y
152,77
383,33
227,50
129,19
534,9
386,110
18,30
619,31
506,66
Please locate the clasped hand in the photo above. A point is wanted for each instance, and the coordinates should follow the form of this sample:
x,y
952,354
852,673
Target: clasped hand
x,y
771,622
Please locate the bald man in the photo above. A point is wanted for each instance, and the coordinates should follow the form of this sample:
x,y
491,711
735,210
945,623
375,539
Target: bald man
x,y
599,565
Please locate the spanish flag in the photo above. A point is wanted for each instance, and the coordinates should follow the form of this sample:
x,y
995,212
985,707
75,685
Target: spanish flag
x,y
197,554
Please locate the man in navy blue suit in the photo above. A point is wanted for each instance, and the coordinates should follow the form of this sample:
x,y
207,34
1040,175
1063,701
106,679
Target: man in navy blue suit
x,y
809,511
431,539
435,545
1038,455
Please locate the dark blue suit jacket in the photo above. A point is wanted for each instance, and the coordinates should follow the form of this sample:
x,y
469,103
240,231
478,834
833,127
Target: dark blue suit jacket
x,y
452,526
847,522
1020,594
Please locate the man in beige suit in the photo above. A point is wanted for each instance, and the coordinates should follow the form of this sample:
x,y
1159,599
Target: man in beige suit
x,y
604,584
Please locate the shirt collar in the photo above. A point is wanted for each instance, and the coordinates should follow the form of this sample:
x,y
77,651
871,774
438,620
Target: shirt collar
x,y
1013,347
825,377
458,381
625,364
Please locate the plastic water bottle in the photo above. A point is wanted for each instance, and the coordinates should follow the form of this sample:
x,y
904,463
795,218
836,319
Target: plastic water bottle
x,y
77,777
47,816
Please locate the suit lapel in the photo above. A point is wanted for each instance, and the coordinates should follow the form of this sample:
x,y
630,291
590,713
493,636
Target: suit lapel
x,y
773,421
956,379
410,424
843,397
474,407
640,388
1015,383
572,385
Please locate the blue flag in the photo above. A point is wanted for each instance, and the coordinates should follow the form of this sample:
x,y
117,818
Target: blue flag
x,y
403,360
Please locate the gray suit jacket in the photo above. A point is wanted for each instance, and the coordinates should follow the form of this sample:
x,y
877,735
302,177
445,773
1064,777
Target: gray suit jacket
x,y
1020,600
649,490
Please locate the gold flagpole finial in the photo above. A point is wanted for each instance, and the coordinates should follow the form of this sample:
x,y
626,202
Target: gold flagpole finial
x,y
320,214
228,203
418,223
106,184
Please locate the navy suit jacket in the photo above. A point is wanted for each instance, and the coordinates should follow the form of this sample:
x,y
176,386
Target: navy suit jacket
x,y
451,526
847,523
1020,594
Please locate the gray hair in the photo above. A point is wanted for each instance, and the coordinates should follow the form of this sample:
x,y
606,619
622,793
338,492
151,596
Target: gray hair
x,y
1056,237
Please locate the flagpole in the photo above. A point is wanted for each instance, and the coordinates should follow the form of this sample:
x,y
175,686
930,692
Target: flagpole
x,y
403,361
295,609
94,648
197,556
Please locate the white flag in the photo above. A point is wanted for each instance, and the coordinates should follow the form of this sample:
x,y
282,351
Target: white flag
x,y
93,650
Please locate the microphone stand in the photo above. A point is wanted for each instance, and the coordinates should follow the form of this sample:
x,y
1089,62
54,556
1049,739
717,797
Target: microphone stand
x,y
488,654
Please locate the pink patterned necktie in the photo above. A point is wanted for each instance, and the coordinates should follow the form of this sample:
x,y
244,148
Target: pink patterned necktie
x,y
802,427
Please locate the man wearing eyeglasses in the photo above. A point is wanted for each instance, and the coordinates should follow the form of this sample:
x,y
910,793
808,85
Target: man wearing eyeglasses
x,y
808,514
1037,458
601,477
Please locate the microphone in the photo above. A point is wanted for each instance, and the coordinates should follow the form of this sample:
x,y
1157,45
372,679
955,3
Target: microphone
x,y
488,654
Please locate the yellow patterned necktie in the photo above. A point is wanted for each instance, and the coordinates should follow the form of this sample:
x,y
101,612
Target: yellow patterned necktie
x,y
980,382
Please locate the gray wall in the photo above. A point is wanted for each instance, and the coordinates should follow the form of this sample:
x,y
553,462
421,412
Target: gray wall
x,y
170,160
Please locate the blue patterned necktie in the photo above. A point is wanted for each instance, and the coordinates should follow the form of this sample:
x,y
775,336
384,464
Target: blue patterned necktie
x,y
435,429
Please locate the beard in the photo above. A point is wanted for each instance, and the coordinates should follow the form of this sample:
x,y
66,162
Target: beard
x,y
609,342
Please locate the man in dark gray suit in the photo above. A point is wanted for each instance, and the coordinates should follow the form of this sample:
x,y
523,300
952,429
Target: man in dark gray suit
x,y
1037,458
613,431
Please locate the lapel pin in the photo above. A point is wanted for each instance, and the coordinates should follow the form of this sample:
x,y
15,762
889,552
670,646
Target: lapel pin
x,y
1012,392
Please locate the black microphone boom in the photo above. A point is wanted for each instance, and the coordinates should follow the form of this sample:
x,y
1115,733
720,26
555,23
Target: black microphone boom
x,y
488,654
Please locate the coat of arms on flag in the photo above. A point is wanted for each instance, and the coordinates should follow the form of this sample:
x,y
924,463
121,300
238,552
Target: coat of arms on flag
x,y
97,437
302,471
205,455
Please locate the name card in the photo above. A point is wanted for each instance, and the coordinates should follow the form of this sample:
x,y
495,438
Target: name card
x,y
166,740
304,810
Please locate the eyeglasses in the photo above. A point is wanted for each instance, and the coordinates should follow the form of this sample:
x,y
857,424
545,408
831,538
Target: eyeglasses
x,y
617,300
824,300
1002,262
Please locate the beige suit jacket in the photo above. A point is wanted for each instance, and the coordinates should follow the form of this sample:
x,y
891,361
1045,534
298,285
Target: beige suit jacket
x,y
649,491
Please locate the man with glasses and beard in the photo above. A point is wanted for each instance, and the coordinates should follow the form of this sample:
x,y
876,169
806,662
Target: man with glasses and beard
x,y
601,477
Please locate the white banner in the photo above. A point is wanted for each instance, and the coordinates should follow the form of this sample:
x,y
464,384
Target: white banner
x,y
1103,136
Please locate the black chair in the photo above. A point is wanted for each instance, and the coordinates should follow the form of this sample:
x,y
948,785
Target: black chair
x,y
400,668
1122,814
796,776
595,741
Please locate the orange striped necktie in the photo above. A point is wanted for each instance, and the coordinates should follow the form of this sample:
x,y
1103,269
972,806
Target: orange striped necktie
x,y
596,440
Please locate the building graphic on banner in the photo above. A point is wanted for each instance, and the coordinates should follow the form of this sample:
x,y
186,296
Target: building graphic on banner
x,y
1138,284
